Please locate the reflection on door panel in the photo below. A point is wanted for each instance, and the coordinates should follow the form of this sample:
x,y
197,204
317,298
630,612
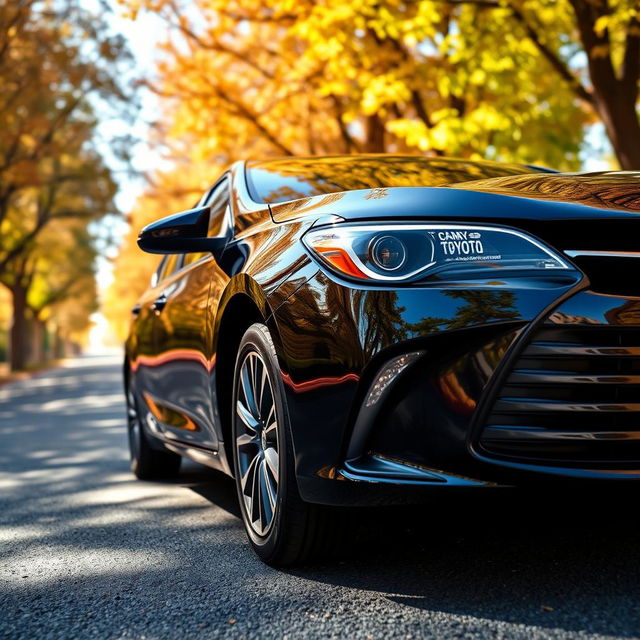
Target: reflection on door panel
x,y
183,344
168,416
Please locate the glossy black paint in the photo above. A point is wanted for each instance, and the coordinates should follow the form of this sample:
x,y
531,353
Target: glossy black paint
x,y
333,337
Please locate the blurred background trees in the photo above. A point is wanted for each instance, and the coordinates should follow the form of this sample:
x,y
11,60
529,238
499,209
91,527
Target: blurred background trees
x,y
514,80
58,66
533,81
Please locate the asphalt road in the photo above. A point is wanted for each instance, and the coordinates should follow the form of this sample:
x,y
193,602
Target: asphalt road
x,y
88,552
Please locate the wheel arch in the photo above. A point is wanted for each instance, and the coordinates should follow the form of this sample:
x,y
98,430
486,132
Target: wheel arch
x,y
242,304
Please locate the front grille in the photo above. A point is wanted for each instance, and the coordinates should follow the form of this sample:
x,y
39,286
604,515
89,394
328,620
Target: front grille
x,y
611,274
572,397
612,234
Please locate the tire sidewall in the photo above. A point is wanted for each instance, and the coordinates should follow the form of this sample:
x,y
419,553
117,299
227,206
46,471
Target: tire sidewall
x,y
257,339
146,461
135,448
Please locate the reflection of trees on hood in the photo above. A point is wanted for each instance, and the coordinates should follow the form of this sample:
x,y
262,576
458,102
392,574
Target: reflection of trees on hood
x,y
482,306
605,190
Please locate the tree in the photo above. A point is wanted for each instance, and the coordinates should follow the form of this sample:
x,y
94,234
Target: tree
x,y
79,190
605,33
288,78
59,66
62,276
505,79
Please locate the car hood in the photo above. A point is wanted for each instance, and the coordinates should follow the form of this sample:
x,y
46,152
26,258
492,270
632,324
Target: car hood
x,y
618,190
534,197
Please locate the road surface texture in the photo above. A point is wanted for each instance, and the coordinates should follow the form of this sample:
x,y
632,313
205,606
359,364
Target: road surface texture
x,y
86,551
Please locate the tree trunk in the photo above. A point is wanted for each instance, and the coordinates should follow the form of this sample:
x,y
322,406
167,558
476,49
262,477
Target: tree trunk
x,y
57,343
614,95
18,344
623,127
374,131
37,341
46,343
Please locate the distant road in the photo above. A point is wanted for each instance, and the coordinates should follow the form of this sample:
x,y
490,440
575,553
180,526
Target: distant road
x,y
87,552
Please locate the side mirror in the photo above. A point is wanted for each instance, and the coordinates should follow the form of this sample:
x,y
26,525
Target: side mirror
x,y
184,232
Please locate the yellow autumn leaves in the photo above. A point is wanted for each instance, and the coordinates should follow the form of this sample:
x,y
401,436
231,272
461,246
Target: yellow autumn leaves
x,y
497,79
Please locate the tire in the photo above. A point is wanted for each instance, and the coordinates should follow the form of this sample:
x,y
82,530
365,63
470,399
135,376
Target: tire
x,y
147,463
282,529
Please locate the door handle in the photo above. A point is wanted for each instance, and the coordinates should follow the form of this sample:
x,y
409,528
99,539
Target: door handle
x,y
159,303
136,310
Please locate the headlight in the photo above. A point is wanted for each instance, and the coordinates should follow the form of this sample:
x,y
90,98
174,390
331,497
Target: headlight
x,y
399,252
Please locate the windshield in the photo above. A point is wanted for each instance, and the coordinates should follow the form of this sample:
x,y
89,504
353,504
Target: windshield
x,y
275,181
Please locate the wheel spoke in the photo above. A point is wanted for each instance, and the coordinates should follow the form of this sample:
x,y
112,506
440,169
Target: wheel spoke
x,y
254,383
263,380
267,405
245,441
247,418
266,510
272,490
248,390
256,496
271,458
247,479
271,414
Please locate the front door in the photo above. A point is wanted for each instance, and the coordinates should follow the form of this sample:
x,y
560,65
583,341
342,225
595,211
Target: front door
x,y
183,340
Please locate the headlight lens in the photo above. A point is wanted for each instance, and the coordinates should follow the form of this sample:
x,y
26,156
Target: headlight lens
x,y
387,253
400,252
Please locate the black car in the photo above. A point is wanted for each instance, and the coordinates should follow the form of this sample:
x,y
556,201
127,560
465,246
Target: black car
x,y
360,330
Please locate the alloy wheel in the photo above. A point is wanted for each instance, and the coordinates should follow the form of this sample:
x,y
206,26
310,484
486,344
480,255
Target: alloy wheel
x,y
257,445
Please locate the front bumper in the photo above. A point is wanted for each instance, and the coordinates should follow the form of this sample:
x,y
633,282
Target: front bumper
x,y
433,426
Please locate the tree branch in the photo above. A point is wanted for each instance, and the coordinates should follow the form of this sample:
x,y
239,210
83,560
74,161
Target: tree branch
x,y
216,46
241,111
554,60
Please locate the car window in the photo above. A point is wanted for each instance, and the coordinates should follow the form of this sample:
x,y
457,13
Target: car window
x,y
206,196
155,278
190,258
219,219
168,265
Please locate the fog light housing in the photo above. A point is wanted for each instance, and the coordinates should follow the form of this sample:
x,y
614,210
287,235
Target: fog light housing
x,y
388,374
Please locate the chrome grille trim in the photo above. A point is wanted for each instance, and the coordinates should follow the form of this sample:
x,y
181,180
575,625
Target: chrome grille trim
x,y
534,433
571,398
576,253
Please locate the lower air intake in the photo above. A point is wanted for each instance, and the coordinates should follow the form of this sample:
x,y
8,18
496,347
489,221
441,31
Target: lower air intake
x,y
572,398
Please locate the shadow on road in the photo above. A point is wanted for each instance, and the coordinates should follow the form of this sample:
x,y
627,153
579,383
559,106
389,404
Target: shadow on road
x,y
137,557
523,557
213,486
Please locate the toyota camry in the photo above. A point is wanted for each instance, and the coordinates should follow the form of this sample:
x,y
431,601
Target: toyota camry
x,y
369,329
